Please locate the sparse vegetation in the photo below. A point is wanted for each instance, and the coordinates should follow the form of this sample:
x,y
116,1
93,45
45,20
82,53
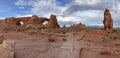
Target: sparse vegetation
x,y
32,32
104,39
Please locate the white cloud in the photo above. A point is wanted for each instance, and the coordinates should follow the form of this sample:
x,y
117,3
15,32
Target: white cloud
x,y
90,2
22,7
43,6
69,18
29,15
20,3
2,18
89,13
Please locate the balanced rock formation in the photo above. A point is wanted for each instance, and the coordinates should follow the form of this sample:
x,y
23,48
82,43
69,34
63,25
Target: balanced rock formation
x,y
108,22
53,22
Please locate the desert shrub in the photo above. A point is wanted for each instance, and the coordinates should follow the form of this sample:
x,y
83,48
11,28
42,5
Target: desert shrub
x,y
118,30
89,29
21,29
39,28
32,32
55,31
115,37
78,29
104,39
63,32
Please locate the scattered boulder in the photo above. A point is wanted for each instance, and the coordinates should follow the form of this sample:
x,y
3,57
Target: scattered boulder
x,y
1,38
51,40
53,22
108,21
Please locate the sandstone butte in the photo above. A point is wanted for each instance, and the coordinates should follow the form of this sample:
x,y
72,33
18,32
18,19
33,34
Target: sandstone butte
x,y
108,21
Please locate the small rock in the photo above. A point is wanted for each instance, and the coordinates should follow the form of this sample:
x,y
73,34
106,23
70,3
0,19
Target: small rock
x,y
51,40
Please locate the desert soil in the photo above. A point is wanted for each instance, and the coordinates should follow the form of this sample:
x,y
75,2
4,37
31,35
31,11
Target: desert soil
x,y
82,44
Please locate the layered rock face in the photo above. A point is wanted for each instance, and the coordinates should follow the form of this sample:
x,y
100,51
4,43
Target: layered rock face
x,y
108,22
53,22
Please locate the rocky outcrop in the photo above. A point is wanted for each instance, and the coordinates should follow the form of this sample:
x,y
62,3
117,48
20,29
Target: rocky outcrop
x,y
108,22
80,25
53,22
7,49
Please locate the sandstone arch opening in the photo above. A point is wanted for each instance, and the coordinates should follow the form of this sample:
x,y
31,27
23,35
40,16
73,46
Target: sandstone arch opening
x,y
45,23
19,23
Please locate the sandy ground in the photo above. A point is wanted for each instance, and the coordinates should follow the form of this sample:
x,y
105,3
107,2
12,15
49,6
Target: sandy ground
x,y
76,45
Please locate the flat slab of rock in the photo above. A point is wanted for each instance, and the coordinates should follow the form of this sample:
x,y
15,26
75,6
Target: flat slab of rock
x,y
6,49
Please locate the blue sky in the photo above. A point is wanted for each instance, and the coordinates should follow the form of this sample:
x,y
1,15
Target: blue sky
x,y
89,12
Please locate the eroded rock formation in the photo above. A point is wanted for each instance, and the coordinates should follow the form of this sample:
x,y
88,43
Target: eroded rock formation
x,y
31,21
53,22
80,25
108,22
